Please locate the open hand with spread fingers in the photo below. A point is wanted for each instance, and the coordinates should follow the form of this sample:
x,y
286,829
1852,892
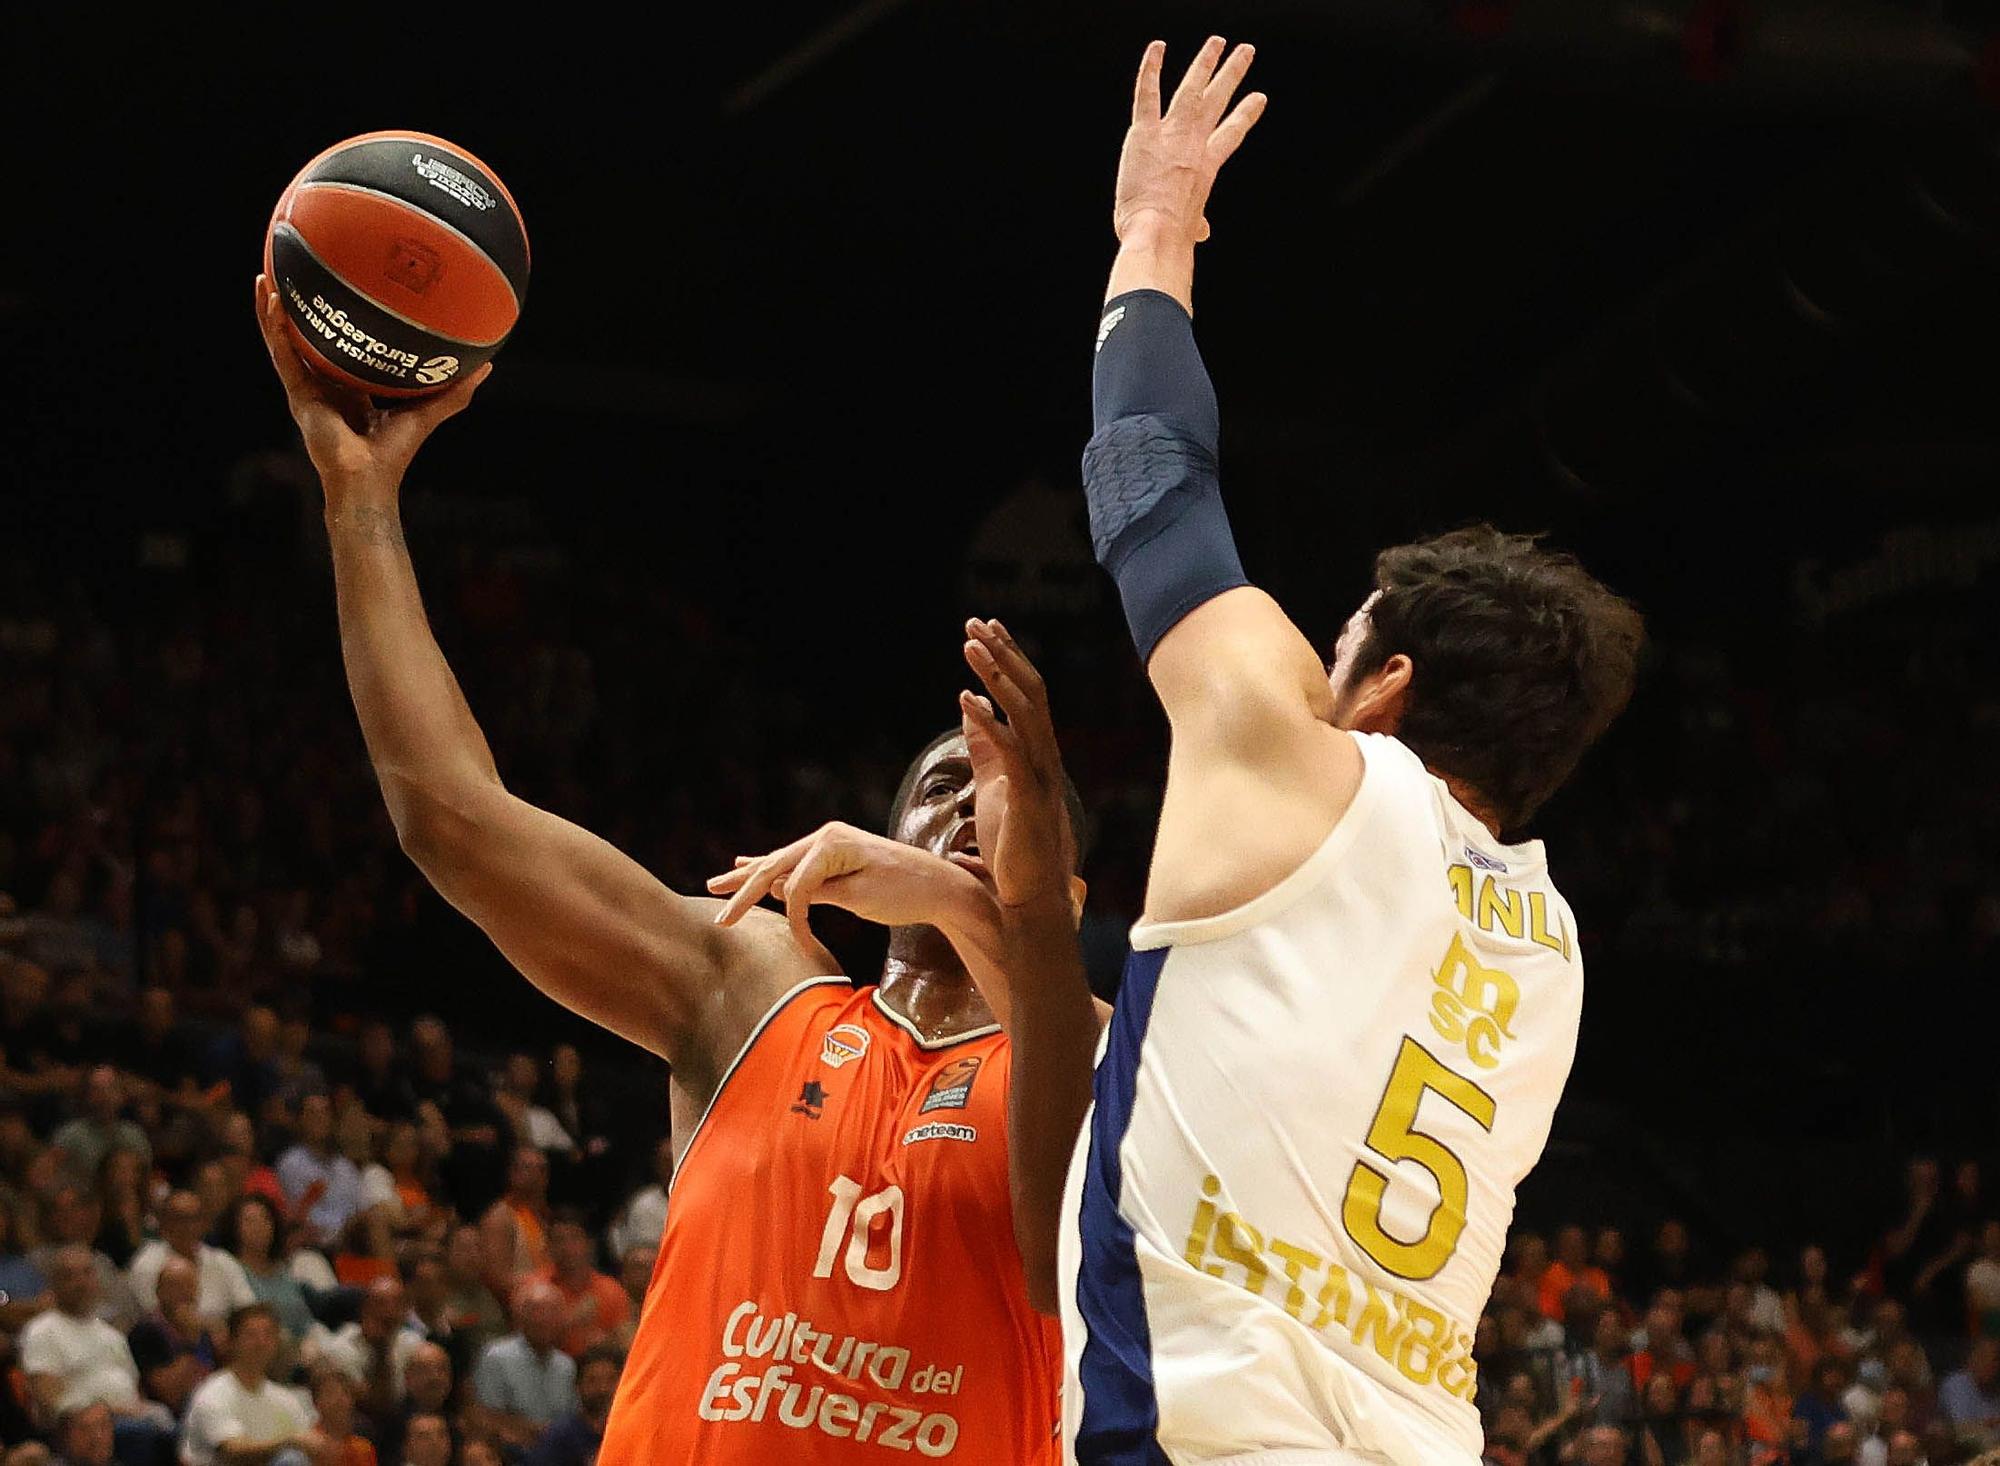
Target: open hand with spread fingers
x,y
1172,154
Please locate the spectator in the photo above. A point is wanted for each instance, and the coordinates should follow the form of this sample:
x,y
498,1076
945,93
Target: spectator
x,y
1765,1309
221,1287
373,1351
585,1176
1982,1283
101,1128
1603,1375
635,1274
427,1442
75,1219
1571,1269
468,1112
1711,1449
527,1202
1601,1445
481,1450
247,1060
24,1291
1969,1400
86,1436
240,1418
524,1383
252,1236
1894,1418
249,1175
428,1382
158,1060
1662,1346
172,1344
333,1403
530,1123
573,1440
596,1305
1840,1446
298,1074
1663,1433
377,1079
473,1307
643,1218
318,1181
1819,1405
125,1205
429,1289
72,1359
395,1184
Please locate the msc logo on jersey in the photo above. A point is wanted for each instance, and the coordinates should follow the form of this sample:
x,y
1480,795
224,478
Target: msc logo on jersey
x,y
1474,1004
843,1044
952,1088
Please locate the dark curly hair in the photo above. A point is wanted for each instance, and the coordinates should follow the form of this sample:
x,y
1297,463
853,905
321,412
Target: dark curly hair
x,y
1521,656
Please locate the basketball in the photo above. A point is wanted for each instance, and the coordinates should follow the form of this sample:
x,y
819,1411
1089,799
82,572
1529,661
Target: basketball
x,y
401,260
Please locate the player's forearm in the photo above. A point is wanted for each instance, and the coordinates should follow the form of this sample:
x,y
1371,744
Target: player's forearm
x,y
426,747
1054,1040
1154,254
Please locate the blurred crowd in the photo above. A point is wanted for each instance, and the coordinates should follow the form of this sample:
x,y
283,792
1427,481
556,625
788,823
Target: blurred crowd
x,y
214,1236
1599,1353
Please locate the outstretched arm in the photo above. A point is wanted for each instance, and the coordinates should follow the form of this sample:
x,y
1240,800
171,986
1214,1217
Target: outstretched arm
x,y
1247,698
586,924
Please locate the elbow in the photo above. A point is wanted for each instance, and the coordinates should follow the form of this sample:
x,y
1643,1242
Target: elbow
x,y
437,827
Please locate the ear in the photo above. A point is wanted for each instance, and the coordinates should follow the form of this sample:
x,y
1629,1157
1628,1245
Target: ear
x,y
1078,889
1382,697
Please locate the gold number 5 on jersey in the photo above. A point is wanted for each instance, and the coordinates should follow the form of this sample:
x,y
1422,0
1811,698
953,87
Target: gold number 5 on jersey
x,y
1393,1136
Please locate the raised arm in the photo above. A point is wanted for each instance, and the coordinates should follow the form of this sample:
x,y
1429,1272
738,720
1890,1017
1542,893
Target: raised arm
x,y
586,924
1257,772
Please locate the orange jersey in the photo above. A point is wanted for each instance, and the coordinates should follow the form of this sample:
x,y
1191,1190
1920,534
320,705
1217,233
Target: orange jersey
x,y
838,1281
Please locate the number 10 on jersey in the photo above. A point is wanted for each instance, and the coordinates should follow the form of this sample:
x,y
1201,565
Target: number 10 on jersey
x,y
851,1218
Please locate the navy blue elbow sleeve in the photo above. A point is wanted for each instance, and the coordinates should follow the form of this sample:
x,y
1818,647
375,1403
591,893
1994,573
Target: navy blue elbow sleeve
x,y
1157,521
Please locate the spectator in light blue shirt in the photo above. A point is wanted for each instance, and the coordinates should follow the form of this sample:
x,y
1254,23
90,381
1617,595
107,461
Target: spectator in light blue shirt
x,y
314,1175
524,1383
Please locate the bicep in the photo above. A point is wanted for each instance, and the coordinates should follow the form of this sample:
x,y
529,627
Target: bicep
x,y
603,936
1257,773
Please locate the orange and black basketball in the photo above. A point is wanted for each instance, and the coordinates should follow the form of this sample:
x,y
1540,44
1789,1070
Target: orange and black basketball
x,y
401,260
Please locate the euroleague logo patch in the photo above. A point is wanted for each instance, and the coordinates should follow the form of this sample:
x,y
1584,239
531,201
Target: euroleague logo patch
x,y
952,1087
843,1044
437,369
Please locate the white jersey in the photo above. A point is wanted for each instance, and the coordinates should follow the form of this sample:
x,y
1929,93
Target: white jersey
x,y
1289,1202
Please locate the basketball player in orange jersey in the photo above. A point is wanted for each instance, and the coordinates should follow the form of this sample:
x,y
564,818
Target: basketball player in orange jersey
x,y
840,1274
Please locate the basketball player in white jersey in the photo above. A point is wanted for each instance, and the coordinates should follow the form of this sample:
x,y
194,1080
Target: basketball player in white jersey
x,y
1353,1000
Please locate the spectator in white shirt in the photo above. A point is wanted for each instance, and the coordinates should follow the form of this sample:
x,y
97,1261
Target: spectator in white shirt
x,y
374,1351
643,1218
220,1287
515,1096
240,1418
523,1383
317,1178
74,1359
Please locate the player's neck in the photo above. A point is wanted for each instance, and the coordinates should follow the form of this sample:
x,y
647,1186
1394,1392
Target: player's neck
x,y
924,982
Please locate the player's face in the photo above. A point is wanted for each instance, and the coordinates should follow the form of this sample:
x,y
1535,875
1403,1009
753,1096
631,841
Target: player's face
x,y
938,817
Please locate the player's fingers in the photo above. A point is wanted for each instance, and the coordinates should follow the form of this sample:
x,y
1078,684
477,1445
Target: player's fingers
x,y
1187,96
1013,660
729,880
1229,134
1228,77
755,885
1146,90
802,887
1018,688
271,322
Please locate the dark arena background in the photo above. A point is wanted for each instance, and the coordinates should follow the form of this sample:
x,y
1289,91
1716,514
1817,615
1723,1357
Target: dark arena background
x,y
1708,291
